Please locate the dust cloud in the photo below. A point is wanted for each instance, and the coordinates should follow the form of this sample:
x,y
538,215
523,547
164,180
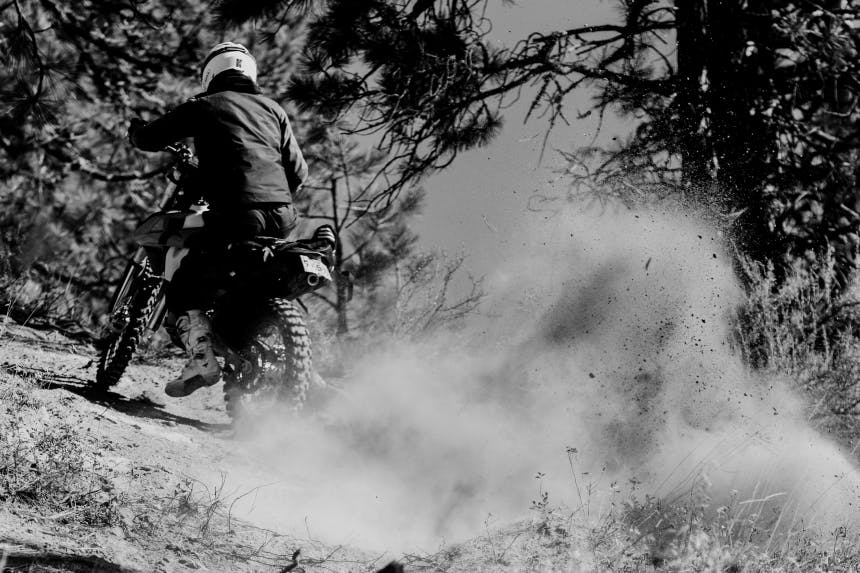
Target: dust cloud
x,y
601,359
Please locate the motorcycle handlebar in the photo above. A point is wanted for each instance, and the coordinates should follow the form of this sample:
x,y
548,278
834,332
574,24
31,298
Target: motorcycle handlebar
x,y
182,153
178,149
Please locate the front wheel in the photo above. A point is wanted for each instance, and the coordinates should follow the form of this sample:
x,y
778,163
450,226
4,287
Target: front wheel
x,y
273,362
129,323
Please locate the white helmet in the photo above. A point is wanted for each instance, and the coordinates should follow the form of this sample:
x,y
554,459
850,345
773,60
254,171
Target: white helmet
x,y
228,56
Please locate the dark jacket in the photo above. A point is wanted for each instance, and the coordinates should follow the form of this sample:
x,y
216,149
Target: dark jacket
x,y
244,143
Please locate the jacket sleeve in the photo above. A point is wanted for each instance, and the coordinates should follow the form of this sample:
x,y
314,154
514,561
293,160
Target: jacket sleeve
x,y
291,156
180,123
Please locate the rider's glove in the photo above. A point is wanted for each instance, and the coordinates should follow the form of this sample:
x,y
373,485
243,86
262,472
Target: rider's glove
x,y
136,123
326,233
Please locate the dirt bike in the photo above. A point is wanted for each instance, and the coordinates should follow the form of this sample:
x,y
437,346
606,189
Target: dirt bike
x,y
258,328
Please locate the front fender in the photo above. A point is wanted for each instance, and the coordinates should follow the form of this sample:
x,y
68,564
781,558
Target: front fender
x,y
172,259
169,229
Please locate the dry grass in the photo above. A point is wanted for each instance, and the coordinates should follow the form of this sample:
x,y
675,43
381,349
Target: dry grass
x,y
53,475
48,465
635,535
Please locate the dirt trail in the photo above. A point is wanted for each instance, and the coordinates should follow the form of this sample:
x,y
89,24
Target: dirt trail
x,y
168,462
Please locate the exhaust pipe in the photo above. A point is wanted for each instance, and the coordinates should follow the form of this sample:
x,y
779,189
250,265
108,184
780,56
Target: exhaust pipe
x,y
313,280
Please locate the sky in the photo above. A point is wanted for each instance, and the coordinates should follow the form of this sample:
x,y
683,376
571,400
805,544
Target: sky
x,y
479,203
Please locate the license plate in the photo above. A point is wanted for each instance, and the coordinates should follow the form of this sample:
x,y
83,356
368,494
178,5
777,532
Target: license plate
x,y
315,266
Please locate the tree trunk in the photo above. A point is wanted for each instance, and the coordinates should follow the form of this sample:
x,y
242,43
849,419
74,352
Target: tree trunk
x,y
738,68
724,149
341,278
342,292
691,17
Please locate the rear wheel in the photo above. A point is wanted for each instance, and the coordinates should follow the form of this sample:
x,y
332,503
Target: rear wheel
x,y
128,326
273,362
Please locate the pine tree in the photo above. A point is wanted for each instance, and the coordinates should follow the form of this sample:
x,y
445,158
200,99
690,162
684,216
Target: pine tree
x,y
744,108
370,220
397,288
71,187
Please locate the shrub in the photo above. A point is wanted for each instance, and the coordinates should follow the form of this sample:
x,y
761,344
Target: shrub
x,y
802,326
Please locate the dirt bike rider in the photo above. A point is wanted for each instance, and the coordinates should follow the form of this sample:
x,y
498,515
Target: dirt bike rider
x,y
249,166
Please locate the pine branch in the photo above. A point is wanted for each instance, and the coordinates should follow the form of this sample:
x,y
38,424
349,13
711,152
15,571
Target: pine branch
x,y
237,12
33,99
102,175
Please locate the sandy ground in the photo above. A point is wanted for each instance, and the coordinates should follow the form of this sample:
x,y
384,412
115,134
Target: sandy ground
x,y
167,461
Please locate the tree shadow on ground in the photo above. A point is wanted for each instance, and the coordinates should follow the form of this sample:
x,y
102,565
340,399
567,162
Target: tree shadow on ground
x,y
40,559
140,407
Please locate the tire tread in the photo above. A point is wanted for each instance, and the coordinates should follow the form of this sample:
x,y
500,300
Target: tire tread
x,y
112,366
298,360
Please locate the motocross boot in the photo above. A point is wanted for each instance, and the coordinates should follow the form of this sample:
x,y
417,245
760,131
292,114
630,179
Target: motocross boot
x,y
202,369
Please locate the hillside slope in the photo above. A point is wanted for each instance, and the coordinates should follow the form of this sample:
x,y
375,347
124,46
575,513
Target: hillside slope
x,y
595,416
129,481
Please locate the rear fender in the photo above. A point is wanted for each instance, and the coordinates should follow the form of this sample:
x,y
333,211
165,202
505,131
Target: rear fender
x,y
299,271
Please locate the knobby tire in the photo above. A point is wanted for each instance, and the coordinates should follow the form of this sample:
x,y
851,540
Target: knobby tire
x,y
121,345
285,379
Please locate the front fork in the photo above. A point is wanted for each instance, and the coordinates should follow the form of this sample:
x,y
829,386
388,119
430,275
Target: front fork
x,y
136,266
141,262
